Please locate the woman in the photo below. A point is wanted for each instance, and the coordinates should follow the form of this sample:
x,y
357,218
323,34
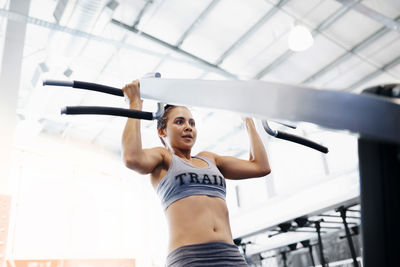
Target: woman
x,y
192,188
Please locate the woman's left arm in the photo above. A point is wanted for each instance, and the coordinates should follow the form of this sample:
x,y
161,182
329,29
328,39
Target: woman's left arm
x,y
256,166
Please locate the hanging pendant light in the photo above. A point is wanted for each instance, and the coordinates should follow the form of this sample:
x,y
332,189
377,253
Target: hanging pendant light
x,y
300,38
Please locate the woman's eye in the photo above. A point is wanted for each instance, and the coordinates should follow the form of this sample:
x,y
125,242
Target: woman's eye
x,y
192,123
179,121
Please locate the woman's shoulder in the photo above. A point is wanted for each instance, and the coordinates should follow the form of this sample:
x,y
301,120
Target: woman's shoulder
x,y
209,155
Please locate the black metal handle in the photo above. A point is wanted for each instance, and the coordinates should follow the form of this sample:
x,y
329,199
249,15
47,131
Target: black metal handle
x,y
294,138
86,85
301,141
93,110
94,86
98,88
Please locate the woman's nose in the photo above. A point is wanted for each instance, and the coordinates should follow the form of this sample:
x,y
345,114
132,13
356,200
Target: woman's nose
x,y
188,127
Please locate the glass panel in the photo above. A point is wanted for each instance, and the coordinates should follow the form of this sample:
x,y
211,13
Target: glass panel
x,y
298,64
172,18
351,28
264,46
224,25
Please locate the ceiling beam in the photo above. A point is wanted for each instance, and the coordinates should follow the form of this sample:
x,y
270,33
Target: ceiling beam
x,y
393,63
142,11
175,49
374,15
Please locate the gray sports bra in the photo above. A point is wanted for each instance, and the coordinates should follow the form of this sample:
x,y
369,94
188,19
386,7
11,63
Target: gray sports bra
x,y
183,180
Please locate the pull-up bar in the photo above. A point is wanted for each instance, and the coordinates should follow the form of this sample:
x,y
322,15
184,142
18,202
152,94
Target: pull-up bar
x,y
99,110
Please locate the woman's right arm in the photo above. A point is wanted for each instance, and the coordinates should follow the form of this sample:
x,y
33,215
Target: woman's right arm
x,y
135,157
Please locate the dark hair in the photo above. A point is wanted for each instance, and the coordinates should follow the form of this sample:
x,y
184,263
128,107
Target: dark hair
x,y
162,122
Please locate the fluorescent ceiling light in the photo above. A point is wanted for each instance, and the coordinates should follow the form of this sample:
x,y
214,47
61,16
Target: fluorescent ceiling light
x,y
300,38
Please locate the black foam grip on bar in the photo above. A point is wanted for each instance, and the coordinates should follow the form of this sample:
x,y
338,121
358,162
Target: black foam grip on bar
x,y
85,110
98,87
301,141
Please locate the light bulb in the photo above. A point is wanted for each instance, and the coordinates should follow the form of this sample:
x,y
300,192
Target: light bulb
x,y
300,38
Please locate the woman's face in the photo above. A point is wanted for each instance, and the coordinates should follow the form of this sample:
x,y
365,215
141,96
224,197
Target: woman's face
x,y
181,130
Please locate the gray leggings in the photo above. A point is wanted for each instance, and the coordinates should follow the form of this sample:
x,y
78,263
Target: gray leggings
x,y
216,254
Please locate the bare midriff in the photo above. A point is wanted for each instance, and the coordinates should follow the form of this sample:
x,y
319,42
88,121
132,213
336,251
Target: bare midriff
x,y
198,219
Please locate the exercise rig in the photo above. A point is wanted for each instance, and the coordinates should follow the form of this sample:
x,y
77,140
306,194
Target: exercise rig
x,y
96,110
374,115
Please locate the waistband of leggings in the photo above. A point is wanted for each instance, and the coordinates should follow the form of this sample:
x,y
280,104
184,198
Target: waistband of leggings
x,y
217,244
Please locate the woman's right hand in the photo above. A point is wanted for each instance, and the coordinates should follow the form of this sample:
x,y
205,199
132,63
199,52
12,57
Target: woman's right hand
x,y
132,94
